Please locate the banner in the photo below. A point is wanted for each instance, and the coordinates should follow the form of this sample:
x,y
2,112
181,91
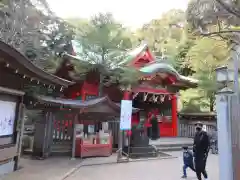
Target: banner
x,y
126,115
7,117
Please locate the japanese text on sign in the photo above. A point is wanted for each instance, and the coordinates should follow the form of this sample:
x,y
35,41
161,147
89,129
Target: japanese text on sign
x,y
126,115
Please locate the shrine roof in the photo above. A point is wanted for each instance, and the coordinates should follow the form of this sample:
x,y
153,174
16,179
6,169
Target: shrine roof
x,y
93,105
160,66
18,61
134,53
156,66
129,56
188,79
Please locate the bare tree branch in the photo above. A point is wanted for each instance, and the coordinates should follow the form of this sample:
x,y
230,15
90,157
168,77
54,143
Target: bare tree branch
x,y
220,32
229,9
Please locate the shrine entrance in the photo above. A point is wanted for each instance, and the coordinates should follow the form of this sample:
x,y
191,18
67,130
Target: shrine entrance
x,y
159,113
62,132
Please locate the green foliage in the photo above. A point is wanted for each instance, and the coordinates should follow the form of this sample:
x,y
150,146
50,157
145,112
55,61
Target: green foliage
x,y
168,37
163,35
204,57
41,36
126,77
103,43
192,101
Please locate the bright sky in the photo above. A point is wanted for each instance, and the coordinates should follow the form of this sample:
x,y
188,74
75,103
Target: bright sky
x,y
132,13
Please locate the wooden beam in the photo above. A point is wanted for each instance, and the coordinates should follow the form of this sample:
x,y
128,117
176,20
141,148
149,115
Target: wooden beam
x,y
8,153
11,91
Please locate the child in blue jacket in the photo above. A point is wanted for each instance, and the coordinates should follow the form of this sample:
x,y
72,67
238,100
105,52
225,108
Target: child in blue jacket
x,y
187,160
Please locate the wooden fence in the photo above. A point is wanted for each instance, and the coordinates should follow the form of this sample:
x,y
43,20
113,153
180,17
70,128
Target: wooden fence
x,y
188,130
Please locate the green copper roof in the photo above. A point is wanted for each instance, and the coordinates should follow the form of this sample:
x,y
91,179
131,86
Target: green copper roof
x,y
189,79
159,67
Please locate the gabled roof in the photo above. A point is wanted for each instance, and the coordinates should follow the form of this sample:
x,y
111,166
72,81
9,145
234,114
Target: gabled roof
x,y
156,66
134,53
163,67
18,61
102,104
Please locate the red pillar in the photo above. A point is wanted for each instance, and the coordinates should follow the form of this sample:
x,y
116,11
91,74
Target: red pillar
x,y
127,95
174,116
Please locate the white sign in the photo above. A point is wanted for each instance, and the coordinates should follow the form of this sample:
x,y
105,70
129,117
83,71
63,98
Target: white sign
x,y
204,128
126,115
7,117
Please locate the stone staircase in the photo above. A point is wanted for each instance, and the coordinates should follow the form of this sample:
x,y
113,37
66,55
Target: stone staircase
x,y
143,152
61,148
172,144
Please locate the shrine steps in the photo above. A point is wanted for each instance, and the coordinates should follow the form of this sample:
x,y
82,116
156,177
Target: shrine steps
x,y
172,144
61,148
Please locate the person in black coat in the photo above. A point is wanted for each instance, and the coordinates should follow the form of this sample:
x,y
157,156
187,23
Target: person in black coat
x,y
201,148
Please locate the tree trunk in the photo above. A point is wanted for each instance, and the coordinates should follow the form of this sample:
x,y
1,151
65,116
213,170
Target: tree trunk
x,y
211,107
101,86
101,76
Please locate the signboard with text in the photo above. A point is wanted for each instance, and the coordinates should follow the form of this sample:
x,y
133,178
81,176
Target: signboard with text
x,y
7,117
126,115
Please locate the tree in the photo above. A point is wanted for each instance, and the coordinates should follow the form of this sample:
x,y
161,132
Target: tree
x,y
205,56
163,34
169,39
190,101
31,28
213,17
103,43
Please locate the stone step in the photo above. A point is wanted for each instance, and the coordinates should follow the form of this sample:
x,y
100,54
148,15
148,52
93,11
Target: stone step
x,y
174,144
172,148
61,148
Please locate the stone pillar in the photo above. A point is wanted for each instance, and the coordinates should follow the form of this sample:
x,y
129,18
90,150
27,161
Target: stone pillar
x,y
74,137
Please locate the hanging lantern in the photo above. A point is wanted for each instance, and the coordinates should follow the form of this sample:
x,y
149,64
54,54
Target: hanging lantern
x,y
159,117
145,95
155,98
169,97
162,97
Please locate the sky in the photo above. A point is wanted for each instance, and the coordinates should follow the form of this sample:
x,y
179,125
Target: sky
x,y
131,13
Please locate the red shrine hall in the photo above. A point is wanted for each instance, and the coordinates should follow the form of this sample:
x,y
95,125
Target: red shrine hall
x,y
155,96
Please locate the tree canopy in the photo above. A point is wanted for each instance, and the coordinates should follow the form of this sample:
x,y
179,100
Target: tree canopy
x,y
195,42
31,28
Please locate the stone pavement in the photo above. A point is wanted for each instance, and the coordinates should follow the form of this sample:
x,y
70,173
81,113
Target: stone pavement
x,y
54,168
62,168
165,169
